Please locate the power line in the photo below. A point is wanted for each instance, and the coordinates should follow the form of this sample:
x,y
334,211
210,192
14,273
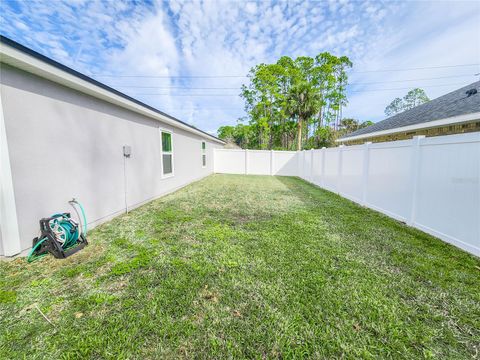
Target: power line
x,y
420,79
177,87
171,76
417,68
237,88
202,108
406,88
214,95
244,76
356,91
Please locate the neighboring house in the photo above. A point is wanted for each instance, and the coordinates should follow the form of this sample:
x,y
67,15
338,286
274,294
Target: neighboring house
x,y
453,113
63,135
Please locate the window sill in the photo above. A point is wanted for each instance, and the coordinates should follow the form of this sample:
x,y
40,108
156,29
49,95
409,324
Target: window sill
x,y
166,176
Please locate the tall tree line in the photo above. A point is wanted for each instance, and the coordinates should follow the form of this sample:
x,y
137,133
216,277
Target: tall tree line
x,y
245,136
293,103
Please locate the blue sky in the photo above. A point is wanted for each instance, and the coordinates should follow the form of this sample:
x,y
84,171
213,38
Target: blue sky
x,y
189,59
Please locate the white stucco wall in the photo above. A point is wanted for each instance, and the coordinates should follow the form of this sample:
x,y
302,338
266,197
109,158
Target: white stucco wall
x,y
65,144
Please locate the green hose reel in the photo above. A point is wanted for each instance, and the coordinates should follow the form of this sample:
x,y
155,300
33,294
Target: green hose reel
x,y
60,235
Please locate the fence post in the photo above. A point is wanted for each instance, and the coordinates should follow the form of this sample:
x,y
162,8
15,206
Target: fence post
x,y
339,172
303,164
311,165
271,162
366,164
322,174
414,182
246,161
298,162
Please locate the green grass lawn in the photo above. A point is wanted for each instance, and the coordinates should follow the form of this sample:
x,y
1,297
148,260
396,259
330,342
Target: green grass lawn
x,y
246,267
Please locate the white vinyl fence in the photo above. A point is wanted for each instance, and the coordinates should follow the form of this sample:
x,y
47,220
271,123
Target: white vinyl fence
x,y
256,162
429,183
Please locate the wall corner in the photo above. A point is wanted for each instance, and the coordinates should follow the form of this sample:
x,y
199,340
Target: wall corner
x,y
10,235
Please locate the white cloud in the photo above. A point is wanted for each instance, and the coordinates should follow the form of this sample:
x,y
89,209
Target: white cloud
x,y
251,7
180,39
437,34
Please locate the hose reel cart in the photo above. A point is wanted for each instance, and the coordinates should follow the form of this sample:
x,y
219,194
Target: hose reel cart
x,y
60,235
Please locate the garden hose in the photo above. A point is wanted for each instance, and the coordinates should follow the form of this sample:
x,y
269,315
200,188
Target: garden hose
x,y
84,221
31,257
64,229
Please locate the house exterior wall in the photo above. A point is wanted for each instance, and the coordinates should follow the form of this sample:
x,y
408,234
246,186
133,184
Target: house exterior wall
x,y
64,144
437,131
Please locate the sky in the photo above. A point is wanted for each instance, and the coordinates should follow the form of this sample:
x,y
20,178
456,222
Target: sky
x,y
189,59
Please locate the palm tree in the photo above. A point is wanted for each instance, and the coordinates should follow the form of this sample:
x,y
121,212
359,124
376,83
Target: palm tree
x,y
303,102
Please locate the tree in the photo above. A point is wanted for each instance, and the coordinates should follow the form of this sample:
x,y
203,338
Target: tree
x,y
303,102
365,124
349,125
395,107
243,136
226,133
413,98
289,101
240,135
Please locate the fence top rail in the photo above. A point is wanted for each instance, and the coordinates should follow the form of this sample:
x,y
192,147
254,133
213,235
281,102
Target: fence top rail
x,y
284,151
259,151
230,150
392,144
451,139
354,148
333,149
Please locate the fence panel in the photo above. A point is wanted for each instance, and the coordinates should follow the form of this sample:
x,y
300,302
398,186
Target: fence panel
x,y
307,167
448,189
389,178
317,167
301,164
258,162
285,163
229,161
330,168
351,182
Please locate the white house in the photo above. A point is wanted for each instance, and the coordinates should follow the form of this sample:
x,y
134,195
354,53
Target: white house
x,y
65,135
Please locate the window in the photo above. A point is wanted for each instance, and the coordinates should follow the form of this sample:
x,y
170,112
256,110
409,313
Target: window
x,y
167,154
204,154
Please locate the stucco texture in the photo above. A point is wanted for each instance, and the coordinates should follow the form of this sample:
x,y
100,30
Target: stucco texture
x,y
65,144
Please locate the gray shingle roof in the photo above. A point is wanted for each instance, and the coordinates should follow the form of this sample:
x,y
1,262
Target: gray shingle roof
x,y
452,104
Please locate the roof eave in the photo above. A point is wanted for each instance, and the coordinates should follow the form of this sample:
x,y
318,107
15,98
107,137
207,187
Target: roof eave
x,y
46,68
427,125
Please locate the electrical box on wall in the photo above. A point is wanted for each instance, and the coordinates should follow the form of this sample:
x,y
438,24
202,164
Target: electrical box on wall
x,y
127,151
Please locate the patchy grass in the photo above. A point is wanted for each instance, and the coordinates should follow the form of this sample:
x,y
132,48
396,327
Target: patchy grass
x,y
246,267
